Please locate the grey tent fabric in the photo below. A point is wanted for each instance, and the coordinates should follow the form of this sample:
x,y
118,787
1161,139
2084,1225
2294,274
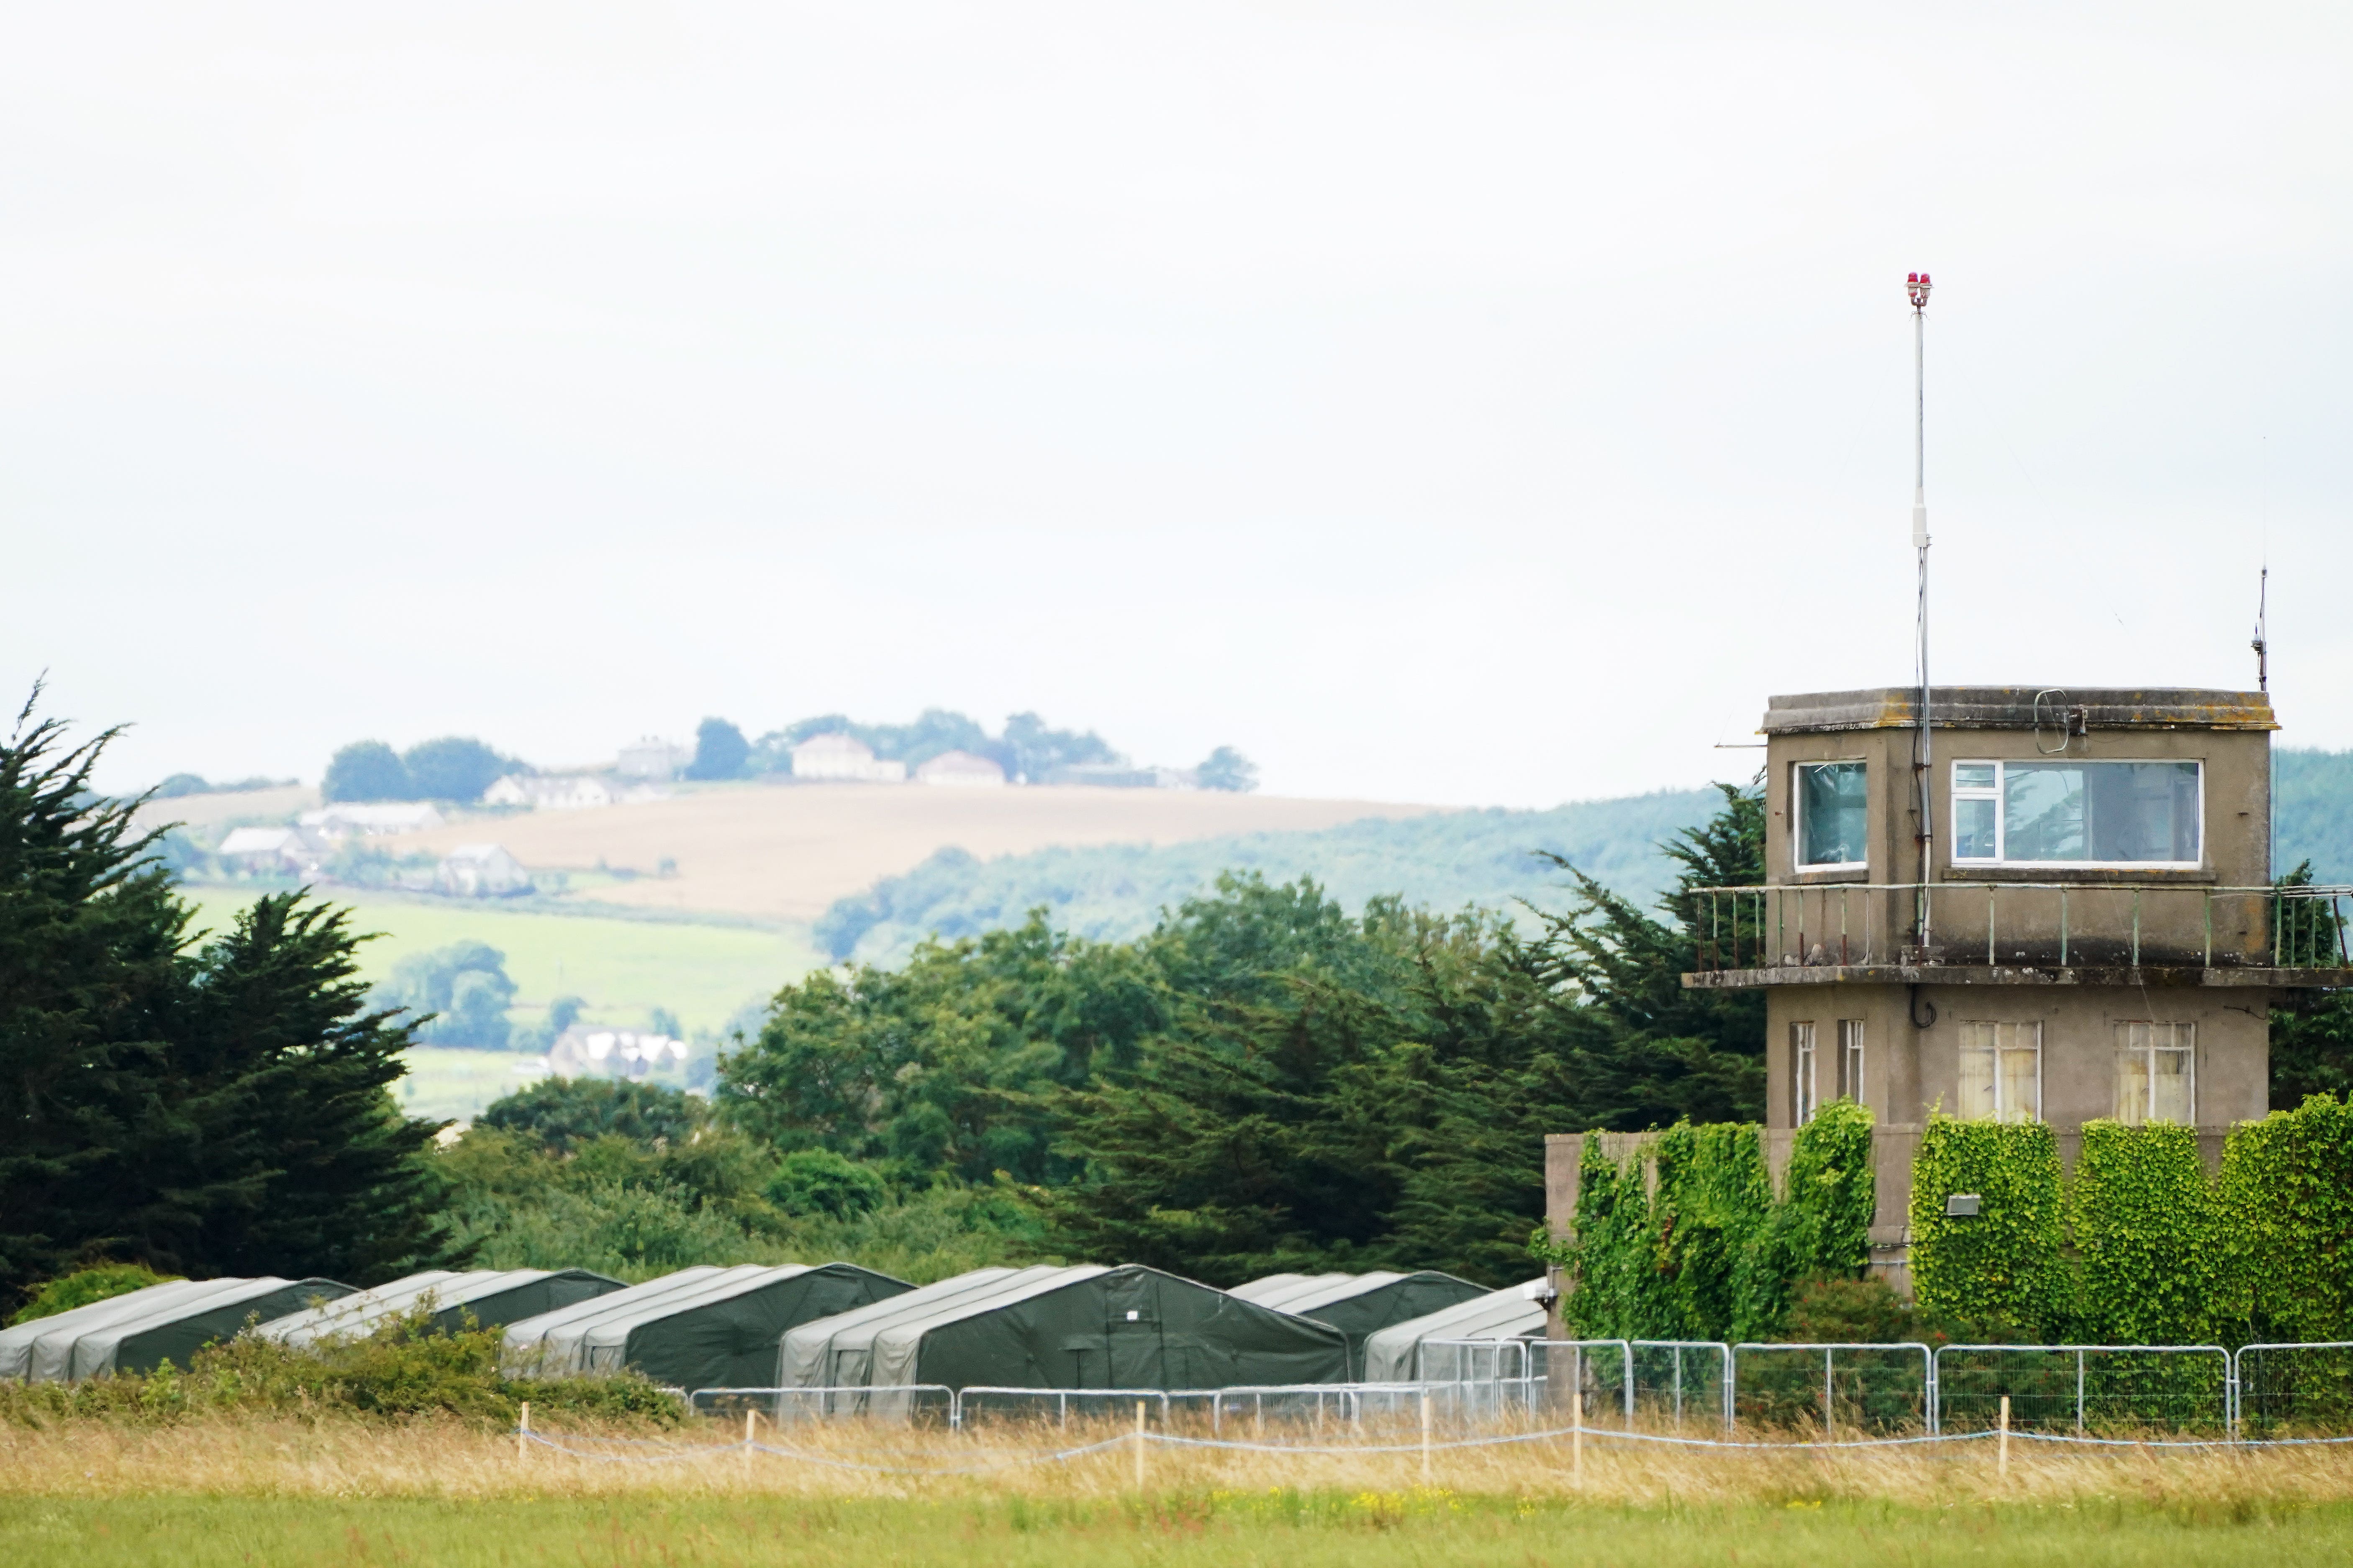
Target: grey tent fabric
x,y
17,1344
1395,1354
493,1298
549,1344
1362,1305
719,1332
831,1353
1130,1327
1272,1290
174,1331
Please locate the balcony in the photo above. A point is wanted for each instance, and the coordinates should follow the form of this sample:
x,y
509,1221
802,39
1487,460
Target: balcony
x,y
1958,932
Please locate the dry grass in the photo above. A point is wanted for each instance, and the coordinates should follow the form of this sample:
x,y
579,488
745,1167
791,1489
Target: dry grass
x,y
436,1459
786,852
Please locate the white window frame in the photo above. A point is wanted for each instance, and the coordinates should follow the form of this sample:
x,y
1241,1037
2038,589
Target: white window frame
x,y
1850,1060
2001,1111
1955,794
1798,811
1805,1096
2184,1039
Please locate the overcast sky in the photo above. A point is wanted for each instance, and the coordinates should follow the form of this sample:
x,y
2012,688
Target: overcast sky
x,y
1463,402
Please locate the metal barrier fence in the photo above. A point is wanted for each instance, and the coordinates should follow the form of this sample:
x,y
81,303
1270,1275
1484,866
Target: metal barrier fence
x,y
1869,1388
2086,1389
2292,1389
1839,1390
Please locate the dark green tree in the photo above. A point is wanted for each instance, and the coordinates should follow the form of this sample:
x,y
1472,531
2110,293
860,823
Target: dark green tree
x,y
201,1110
455,767
456,995
720,750
366,769
560,1115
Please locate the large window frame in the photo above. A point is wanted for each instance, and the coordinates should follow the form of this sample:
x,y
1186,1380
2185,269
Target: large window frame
x,y
2140,1042
1999,1043
1979,796
1798,816
1805,1088
1850,1060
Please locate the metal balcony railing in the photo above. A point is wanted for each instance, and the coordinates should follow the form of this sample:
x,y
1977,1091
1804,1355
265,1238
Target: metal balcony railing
x,y
2019,923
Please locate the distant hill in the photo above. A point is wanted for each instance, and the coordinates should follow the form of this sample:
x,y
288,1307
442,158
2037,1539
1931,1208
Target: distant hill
x,y
1112,891
1442,860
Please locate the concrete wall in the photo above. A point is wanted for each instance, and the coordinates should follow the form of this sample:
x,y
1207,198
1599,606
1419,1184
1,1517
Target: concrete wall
x,y
1910,1070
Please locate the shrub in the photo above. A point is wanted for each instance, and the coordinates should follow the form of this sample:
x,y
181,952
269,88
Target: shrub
x,y
2287,1201
85,1286
2143,1217
2002,1267
820,1182
558,1114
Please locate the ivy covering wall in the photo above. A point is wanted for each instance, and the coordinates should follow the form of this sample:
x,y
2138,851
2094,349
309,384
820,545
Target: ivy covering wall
x,y
2143,1245
1715,1254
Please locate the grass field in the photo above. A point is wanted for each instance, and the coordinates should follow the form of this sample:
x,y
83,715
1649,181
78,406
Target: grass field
x,y
287,1493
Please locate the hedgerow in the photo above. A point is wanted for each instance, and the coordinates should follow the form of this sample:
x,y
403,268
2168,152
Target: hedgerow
x,y
2286,1199
2003,1267
2144,1221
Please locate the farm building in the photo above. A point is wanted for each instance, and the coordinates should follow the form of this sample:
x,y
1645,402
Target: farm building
x,y
480,871
1360,1305
961,770
717,1330
844,759
551,792
1417,1349
838,1352
139,1331
1130,1327
272,851
341,821
491,1297
652,758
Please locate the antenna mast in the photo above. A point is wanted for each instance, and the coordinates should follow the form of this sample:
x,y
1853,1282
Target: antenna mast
x,y
1916,287
2263,644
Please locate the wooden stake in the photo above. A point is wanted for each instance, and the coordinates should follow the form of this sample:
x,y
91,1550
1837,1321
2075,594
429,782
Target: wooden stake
x,y
1577,1436
523,1433
2002,1443
1139,1445
1424,1437
749,1417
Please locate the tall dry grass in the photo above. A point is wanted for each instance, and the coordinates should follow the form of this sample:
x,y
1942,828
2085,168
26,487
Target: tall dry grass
x,y
339,1457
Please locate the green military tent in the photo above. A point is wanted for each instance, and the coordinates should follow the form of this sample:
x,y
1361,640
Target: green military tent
x,y
137,1330
1129,1326
718,1329
834,1352
491,1298
1360,1305
1418,1351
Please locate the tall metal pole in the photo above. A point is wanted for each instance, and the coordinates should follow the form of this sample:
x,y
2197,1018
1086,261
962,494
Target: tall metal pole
x,y
1916,287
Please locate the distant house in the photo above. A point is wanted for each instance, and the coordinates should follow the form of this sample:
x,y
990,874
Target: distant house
x,y
480,871
272,851
652,759
565,792
961,768
380,816
585,1052
843,758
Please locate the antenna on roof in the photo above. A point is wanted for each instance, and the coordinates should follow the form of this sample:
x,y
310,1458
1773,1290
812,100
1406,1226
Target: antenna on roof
x,y
1915,287
2262,644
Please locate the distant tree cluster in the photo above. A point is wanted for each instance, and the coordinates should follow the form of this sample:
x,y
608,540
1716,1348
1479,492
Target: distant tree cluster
x,y
1027,749
213,1108
180,785
454,768
455,996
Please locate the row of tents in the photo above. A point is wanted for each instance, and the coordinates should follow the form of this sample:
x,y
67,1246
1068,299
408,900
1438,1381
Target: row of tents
x,y
834,1326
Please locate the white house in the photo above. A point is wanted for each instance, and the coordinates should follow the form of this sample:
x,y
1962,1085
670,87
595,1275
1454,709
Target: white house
x,y
585,1052
376,817
652,759
842,757
265,851
961,768
566,791
480,871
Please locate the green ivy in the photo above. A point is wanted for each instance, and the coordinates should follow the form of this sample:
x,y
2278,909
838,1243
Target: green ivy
x,y
2286,1204
2004,1266
1714,1256
2143,1219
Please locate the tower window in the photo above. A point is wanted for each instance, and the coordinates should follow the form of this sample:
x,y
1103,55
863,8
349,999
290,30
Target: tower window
x,y
2157,1073
1833,815
2001,1072
2079,813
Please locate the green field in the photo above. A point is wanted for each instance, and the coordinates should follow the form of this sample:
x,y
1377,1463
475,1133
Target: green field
x,y
1294,1530
623,968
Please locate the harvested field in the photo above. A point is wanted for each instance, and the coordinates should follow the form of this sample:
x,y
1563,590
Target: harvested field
x,y
785,852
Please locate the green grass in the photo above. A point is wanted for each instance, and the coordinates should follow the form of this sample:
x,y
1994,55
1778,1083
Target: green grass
x,y
623,968
1293,1529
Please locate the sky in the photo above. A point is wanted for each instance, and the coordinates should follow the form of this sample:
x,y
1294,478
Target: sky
x,y
1479,404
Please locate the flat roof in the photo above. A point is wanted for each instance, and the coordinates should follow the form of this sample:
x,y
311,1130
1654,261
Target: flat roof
x,y
2020,707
